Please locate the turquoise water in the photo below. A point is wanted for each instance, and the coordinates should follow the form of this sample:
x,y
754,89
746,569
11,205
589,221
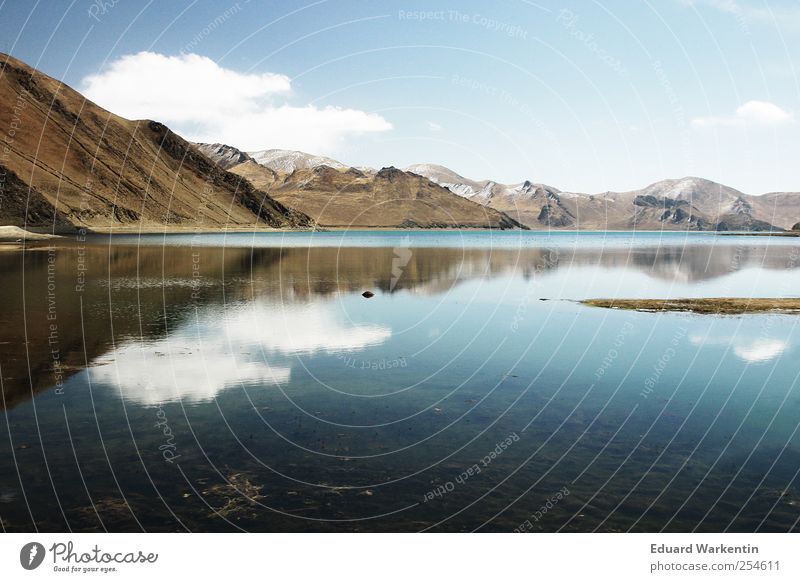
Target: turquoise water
x,y
481,239
193,386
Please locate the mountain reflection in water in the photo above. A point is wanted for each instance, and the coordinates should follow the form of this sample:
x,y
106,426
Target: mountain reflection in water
x,y
148,307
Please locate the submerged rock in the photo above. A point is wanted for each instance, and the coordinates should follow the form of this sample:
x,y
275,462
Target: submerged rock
x,y
368,294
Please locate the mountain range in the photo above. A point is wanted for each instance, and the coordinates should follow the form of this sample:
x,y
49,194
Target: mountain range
x,y
336,195
683,204
296,178
66,163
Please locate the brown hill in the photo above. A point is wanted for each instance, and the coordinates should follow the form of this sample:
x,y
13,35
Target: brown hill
x,y
68,162
388,198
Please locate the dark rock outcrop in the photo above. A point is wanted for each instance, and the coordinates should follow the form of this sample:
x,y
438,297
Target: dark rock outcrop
x,y
744,222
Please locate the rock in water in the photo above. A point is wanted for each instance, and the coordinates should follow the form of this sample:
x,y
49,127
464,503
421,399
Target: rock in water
x,y
368,294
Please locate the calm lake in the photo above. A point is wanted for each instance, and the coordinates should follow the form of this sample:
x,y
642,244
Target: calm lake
x,y
242,382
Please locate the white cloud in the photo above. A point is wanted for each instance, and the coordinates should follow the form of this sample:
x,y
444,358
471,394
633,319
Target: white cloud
x,y
433,126
205,102
750,114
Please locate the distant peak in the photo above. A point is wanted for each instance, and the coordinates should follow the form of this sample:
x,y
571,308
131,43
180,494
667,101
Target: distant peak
x,y
223,155
287,161
389,173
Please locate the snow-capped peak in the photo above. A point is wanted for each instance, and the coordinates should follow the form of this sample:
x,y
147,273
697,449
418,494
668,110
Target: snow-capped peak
x,y
287,161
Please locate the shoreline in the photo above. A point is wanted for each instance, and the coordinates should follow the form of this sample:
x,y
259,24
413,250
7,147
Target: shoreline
x,y
785,233
703,305
17,238
20,234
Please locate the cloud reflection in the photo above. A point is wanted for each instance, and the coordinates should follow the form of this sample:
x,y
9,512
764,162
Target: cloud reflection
x,y
219,348
760,350
751,350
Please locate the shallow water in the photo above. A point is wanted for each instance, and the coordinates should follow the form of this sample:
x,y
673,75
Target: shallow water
x,y
171,383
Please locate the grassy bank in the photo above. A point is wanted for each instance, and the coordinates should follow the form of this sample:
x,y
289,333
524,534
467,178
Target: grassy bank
x,y
711,305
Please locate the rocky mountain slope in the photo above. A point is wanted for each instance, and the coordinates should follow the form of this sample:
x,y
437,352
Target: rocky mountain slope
x,y
67,162
223,155
684,204
388,198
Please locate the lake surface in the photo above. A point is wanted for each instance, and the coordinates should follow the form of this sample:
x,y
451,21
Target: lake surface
x,y
241,382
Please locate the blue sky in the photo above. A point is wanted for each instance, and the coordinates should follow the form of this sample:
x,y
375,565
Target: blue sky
x,y
585,96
